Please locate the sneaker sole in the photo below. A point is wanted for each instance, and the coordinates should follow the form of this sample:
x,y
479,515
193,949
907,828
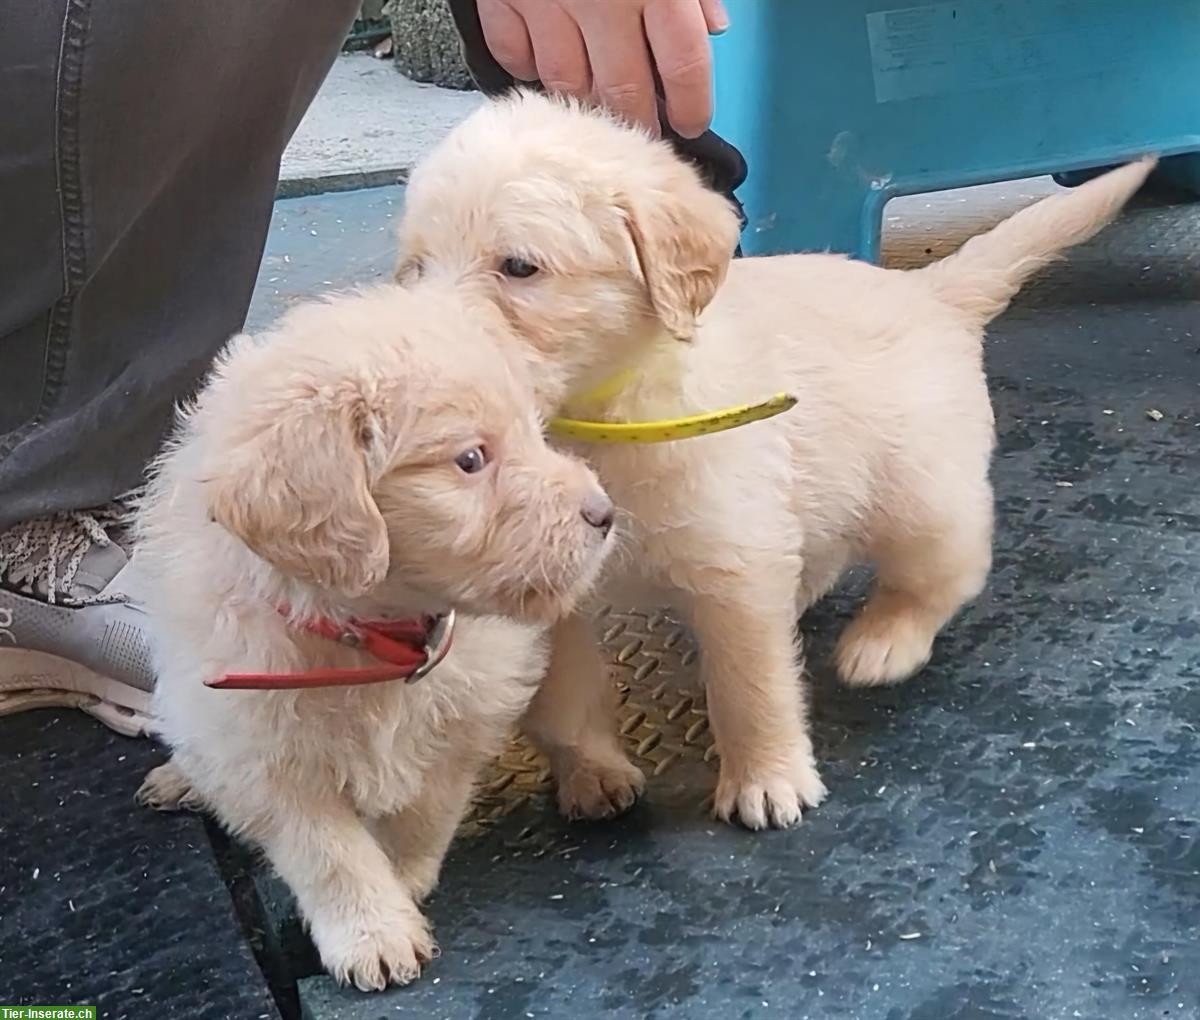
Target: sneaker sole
x,y
32,679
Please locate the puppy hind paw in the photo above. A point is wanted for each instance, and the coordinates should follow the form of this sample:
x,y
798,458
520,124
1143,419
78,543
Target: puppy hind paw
x,y
598,790
420,877
875,651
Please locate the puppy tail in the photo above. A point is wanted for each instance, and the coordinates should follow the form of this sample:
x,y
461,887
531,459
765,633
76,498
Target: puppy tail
x,y
984,275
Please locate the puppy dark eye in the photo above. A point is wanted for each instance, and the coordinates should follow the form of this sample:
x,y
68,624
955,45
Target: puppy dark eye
x,y
517,268
471,461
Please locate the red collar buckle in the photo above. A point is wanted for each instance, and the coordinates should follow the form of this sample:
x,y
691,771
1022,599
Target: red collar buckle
x,y
410,649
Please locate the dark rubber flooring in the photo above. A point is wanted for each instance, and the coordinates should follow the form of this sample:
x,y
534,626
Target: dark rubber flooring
x,y
101,902
1013,834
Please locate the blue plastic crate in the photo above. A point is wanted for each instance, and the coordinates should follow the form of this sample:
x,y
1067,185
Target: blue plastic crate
x,y
840,105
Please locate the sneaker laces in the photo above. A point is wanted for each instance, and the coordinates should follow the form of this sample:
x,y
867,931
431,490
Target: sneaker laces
x,y
42,556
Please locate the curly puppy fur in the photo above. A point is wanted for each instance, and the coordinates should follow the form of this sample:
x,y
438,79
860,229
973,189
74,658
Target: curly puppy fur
x,y
321,474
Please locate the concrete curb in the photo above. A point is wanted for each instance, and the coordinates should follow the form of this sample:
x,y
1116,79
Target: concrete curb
x,y
329,184
367,128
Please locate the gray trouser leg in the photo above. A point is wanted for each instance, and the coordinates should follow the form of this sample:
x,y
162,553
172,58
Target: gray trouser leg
x,y
139,150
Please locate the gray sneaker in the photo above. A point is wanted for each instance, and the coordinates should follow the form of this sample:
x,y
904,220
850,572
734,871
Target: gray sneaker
x,y
71,630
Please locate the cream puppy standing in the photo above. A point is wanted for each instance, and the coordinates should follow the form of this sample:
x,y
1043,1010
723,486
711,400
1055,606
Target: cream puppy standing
x,y
374,457
605,253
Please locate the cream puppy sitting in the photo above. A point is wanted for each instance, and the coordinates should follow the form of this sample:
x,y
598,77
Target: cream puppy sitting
x,y
372,458
609,259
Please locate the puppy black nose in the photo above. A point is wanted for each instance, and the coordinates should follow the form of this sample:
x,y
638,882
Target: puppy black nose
x,y
597,510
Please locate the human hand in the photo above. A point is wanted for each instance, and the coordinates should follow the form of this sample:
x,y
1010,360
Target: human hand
x,y
610,49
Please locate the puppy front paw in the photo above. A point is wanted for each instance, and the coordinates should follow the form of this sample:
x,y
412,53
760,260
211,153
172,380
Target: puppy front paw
x,y
768,796
166,788
598,788
372,952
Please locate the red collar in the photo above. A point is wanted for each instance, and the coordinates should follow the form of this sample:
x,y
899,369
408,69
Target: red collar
x,y
410,647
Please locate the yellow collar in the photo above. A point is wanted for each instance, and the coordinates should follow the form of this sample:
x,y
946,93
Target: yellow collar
x,y
666,430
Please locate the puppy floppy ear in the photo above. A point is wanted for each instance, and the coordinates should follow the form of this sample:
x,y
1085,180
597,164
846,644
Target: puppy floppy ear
x,y
293,484
684,235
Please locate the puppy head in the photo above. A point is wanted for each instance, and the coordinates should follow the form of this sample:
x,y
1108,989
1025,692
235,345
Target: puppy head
x,y
591,238
383,447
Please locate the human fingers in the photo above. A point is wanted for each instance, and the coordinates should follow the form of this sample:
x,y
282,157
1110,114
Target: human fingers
x,y
507,38
622,77
678,37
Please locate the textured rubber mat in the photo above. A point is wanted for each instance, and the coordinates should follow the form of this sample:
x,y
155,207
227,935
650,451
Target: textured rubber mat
x,y
104,903
1013,834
